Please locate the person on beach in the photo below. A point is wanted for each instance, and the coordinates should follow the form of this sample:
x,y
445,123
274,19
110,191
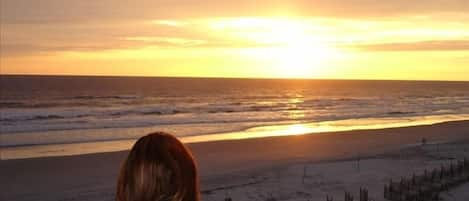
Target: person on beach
x,y
158,168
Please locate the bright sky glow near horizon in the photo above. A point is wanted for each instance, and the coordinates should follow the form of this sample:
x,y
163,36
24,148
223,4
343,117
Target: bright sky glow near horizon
x,y
326,39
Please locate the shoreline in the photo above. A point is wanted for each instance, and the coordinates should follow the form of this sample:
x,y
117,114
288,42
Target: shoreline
x,y
224,163
98,145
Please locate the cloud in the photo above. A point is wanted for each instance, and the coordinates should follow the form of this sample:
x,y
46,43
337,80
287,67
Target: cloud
x,y
444,45
20,40
60,11
44,26
22,49
42,49
30,39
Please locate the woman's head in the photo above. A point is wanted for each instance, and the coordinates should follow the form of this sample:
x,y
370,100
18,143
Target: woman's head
x,y
159,168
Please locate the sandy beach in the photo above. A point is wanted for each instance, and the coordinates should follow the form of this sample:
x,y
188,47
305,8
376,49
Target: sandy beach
x,y
304,167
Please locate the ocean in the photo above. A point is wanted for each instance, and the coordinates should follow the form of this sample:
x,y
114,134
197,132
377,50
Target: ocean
x,y
43,114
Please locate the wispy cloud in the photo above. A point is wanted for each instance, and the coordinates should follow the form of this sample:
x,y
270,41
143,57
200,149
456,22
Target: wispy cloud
x,y
59,11
448,45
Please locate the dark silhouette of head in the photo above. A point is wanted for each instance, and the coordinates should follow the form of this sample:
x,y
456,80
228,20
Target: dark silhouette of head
x,y
158,168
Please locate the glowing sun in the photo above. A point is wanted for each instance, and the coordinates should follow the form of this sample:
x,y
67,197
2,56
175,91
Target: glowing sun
x,y
290,47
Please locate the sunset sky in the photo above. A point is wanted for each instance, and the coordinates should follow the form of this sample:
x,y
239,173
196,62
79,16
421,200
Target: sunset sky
x,y
348,39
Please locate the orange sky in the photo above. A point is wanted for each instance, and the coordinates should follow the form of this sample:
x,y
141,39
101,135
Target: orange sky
x,y
354,39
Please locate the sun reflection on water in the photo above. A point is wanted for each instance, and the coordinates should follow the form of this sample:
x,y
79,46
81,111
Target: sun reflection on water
x,y
296,129
327,126
295,112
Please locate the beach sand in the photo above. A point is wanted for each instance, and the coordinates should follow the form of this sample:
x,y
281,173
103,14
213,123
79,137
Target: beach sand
x,y
304,167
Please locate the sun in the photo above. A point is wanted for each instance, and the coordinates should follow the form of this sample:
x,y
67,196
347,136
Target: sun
x,y
290,47
300,61
299,52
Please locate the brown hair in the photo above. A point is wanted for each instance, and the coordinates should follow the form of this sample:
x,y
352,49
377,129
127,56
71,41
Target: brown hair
x,y
158,168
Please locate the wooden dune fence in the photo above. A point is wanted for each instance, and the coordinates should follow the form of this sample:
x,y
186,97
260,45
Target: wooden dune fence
x,y
427,187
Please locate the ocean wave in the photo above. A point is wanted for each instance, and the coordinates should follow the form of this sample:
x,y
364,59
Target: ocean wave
x,y
43,117
44,104
46,117
10,104
27,104
76,101
400,113
162,113
86,97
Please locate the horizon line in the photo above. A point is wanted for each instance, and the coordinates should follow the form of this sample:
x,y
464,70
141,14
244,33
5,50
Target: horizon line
x,y
215,77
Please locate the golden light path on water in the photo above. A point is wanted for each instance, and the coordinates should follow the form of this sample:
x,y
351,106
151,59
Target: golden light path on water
x,y
256,132
328,126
